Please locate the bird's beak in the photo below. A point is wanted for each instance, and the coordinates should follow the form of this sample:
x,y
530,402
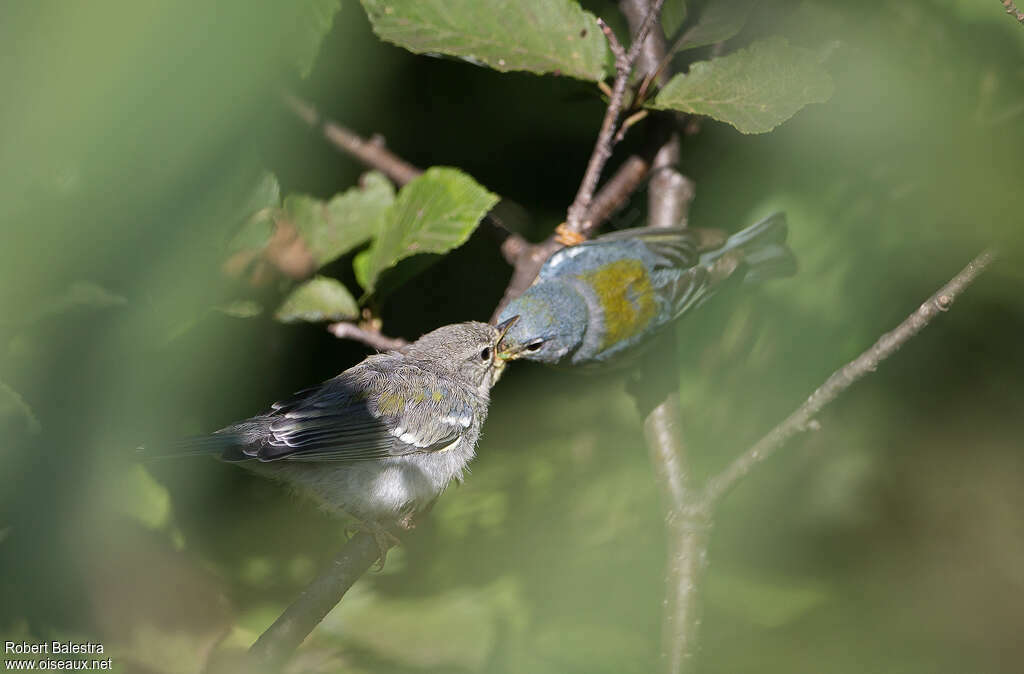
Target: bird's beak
x,y
502,329
504,326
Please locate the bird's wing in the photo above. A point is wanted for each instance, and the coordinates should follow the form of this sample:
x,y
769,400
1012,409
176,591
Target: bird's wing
x,y
368,413
676,274
677,247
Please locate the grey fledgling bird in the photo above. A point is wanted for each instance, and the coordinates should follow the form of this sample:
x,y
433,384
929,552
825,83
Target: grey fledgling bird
x,y
381,440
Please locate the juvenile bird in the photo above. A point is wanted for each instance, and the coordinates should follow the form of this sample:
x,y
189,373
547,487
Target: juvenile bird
x,y
383,439
596,301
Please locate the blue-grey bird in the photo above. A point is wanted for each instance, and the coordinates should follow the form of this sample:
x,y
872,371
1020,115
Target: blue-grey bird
x,y
381,440
597,301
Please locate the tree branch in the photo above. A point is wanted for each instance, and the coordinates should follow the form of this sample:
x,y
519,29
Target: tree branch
x,y
576,219
1012,10
370,152
375,155
292,627
842,379
686,531
372,338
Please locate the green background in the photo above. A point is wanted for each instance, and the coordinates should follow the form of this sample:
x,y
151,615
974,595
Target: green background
x,y
891,539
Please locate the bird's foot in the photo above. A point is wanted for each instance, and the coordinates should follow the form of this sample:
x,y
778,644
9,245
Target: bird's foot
x,y
568,237
381,535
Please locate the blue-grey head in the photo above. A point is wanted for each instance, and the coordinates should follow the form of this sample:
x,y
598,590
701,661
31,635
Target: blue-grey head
x,y
551,325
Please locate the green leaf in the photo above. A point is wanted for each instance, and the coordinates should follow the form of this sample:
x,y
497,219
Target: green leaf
x,y
719,21
434,213
257,213
318,299
265,194
754,89
540,36
16,416
348,220
673,15
136,494
313,19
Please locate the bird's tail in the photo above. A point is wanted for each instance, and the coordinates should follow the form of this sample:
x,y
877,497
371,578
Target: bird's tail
x,y
763,250
226,443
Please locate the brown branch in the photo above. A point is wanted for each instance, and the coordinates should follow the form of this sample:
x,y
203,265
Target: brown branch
x,y
590,210
1012,10
292,627
371,152
372,338
686,531
617,189
842,379
624,61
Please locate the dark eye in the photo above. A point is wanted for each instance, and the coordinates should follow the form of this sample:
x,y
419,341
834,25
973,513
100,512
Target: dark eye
x,y
485,354
535,346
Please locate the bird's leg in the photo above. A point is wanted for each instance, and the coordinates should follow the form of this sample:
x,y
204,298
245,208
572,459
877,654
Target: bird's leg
x,y
409,520
384,538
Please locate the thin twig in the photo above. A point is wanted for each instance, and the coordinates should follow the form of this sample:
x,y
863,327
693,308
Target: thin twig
x,y
842,379
1012,10
372,338
528,259
371,152
576,217
617,189
374,154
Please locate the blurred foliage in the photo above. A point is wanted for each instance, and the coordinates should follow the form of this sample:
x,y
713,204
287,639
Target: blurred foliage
x,y
140,224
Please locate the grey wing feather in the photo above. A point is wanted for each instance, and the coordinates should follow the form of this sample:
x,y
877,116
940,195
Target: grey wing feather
x,y
359,416
677,247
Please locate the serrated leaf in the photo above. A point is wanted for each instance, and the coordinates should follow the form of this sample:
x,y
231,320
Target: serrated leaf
x,y
434,213
719,21
673,15
539,36
333,228
313,19
319,299
754,89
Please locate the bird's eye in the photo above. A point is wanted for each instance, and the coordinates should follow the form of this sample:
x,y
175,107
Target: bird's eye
x,y
485,354
535,346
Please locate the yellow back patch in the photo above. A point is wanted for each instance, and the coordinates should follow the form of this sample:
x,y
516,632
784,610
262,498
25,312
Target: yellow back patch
x,y
624,290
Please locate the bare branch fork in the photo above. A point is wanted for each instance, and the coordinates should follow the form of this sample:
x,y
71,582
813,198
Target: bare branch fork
x,y
624,61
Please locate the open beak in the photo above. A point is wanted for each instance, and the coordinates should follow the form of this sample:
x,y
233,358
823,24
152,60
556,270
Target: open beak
x,y
502,329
